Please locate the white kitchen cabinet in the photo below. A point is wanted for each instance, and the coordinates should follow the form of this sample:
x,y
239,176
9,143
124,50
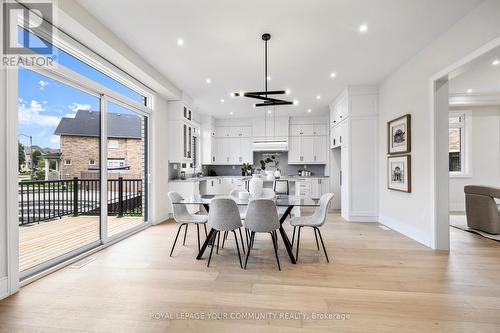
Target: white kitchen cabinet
x,y
182,129
339,134
222,132
231,183
320,149
267,128
246,152
303,187
214,186
319,186
320,129
301,129
232,151
295,150
308,150
354,131
307,147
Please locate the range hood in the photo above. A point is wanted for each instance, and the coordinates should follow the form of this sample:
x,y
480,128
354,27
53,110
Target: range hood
x,y
270,145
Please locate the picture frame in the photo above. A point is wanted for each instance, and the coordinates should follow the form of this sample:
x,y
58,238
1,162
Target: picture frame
x,y
399,173
399,135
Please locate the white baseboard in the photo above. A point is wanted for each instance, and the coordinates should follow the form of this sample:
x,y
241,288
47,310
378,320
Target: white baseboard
x,y
4,287
457,206
406,230
356,218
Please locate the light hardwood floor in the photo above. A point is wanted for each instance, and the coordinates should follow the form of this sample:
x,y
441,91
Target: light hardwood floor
x,y
47,240
384,281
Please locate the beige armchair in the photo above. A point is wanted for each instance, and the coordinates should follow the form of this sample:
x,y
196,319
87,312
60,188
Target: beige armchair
x,y
482,210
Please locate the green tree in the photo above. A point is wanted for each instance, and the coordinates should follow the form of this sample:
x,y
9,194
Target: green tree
x,y
21,155
36,157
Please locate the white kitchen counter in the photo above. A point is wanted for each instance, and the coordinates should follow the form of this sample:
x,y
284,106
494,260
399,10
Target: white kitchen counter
x,y
205,178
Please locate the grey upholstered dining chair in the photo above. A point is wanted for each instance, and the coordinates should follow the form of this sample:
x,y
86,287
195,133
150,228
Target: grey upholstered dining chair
x,y
224,216
182,216
262,217
314,221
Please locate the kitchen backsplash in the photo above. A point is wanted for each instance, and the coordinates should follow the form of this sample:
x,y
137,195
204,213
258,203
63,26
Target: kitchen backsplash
x,y
286,169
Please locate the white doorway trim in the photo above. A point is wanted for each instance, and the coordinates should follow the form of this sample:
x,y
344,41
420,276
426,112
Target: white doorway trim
x,y
440,174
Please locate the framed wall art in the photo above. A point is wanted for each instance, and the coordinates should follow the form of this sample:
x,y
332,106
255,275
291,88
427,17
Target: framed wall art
x,y
399,173
399,135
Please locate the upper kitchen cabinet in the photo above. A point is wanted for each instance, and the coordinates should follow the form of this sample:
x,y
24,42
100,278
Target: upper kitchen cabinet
x,y
226,142
358,101
301,129
270,128
183,133
308,142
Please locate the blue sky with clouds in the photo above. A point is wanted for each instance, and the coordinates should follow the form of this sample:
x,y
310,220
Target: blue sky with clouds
x,y
44,101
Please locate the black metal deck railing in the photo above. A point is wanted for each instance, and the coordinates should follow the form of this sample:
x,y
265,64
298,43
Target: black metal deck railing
x,y
46,200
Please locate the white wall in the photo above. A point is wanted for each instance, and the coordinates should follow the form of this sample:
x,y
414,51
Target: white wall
x,y
484,154
408,91
159,161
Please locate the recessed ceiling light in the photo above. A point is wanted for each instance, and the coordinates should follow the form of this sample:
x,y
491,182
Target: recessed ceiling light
x,y
295,102
318,96
231,113
287,91
268,78
469,91
180,41
269,112
222,100
363,28
208,80
308,110
333,74
496,62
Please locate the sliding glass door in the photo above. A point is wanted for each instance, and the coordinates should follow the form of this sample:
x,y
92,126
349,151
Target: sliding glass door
x,y
127,166
59,170
83,160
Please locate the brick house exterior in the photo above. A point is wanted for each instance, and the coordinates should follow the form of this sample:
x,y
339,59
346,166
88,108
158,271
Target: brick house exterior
x,y
79,141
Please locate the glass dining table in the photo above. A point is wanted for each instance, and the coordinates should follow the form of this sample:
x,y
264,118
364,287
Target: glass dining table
x,y
287,201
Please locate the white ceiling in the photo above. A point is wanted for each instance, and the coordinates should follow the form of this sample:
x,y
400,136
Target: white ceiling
x,y
480,76
310,39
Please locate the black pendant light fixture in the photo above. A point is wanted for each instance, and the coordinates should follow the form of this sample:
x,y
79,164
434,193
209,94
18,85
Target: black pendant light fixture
x,y
264,95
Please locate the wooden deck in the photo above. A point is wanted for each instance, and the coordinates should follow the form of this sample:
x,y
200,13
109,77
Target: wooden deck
x,y
47,240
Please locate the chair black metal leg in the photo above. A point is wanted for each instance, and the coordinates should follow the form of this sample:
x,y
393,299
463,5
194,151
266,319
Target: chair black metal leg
x,y
198,233
298,242
323,244
175,241
242,244
205,226
248,251
316,236
252,239
238,248
224,239
293,235
247,237
212,248
218,239
185,232
275,241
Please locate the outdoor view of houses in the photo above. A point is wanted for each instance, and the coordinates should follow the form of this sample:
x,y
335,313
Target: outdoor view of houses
x,y
78,155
